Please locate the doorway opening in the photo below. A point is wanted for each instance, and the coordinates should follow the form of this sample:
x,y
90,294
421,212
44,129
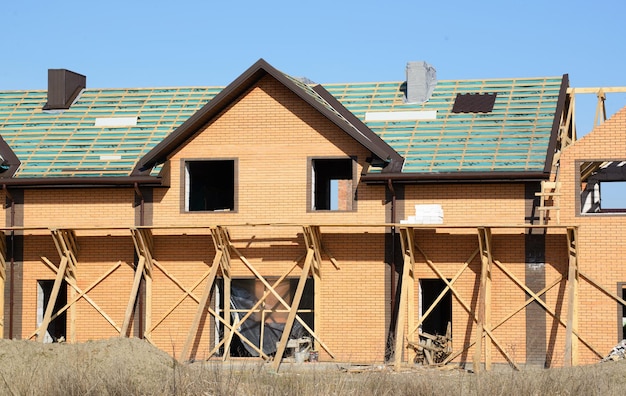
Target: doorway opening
x,y
437,321
57,329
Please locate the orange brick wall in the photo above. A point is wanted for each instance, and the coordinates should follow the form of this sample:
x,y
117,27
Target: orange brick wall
x,y
601,249
488,204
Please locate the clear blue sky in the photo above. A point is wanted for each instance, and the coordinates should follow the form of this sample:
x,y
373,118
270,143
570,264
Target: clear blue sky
x,y
186,43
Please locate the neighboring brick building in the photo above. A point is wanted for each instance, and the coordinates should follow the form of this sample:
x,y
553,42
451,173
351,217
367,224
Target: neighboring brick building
x,y
150,195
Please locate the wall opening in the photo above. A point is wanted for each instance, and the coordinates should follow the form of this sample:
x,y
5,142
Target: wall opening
x,y
602,186
623,318
57,329
265,326
332,184
210,186
437,321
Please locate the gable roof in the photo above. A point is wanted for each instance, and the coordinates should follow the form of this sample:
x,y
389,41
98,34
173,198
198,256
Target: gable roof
x,y
90,144
316,96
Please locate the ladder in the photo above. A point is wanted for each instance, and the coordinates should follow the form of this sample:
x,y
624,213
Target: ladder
x,y
549,201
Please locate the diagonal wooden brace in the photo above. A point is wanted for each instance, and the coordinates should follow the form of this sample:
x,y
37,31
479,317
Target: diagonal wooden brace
x,y
144,247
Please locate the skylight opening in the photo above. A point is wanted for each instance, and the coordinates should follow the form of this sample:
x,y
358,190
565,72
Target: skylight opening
x,y
474,103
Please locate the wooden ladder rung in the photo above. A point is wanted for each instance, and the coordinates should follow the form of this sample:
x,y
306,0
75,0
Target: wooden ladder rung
x,y
548,208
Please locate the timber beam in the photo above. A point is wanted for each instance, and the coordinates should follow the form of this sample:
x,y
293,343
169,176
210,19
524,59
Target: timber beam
x,y
144,248
67,247
3,278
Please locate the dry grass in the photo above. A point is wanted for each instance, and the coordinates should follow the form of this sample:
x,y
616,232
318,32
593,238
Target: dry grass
x,y
132,367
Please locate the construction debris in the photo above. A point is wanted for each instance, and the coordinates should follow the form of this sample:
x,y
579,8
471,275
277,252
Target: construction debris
x,y
617,353
432,350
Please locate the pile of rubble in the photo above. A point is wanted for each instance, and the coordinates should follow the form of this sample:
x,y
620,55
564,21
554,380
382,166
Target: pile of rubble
x,y
432,350
617,353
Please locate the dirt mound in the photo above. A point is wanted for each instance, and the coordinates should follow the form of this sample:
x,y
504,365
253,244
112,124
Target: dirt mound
x,y
29,365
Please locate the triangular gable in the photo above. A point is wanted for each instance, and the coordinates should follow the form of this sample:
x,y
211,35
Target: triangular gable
x,y
317,97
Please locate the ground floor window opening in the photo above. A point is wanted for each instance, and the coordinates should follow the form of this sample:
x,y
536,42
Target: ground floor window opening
x,y
441,316
623,310
57,329
265,326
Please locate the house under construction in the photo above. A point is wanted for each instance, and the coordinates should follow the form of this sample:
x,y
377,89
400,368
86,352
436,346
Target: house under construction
x,y
274,216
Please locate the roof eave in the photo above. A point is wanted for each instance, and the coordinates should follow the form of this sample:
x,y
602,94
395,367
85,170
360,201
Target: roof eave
x,y
455,177
366,137
64,182
556,124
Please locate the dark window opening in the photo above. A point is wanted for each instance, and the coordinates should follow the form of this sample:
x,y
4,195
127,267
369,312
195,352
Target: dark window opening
x,y
623,321
57,328
474,103
211,185
265,326
602,187
437,321
332,184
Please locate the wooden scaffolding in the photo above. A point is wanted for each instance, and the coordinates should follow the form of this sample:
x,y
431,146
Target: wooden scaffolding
x,y
309,264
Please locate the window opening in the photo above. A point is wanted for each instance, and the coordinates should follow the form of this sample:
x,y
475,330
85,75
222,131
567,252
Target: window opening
x,y
437,321
265,326
332,187
603,187
623,314
58,326
210,186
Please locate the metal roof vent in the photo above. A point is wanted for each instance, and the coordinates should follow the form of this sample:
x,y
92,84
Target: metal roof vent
x,y
63,87
421,79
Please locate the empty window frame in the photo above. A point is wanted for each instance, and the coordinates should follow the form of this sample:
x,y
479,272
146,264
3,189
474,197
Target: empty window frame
x,y
332,184
602,186
210,185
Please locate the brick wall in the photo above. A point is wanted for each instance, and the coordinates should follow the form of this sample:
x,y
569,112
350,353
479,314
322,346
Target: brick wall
x,y
602,251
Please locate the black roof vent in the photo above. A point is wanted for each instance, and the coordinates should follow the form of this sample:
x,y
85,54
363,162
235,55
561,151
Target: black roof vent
x,y
474,103
63,88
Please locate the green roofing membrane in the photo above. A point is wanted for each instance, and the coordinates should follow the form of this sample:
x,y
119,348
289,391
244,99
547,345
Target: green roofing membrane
x,y
514,136
67,143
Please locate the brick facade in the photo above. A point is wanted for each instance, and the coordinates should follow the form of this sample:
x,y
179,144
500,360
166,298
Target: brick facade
x,y
272,136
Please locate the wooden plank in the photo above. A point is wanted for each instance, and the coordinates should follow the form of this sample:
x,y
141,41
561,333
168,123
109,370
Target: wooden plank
x,y
80,295
180,299
293,310
438,299
484,300
551,311
570,354
505,319
52,300
148,306
3,265
279,298
487,317
72,282
206,295
266,294
133,296
445,290
403,300
210,310
469,310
